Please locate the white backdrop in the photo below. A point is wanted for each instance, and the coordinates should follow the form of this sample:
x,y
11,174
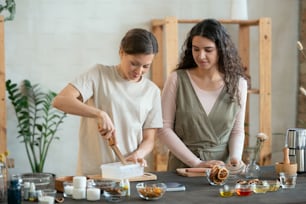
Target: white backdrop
x,y
52,41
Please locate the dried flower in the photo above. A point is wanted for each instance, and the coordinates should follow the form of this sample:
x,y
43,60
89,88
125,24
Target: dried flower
x,y
261,137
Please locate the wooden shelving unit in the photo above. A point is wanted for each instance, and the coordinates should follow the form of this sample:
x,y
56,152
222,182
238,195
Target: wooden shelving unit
x,y
166,32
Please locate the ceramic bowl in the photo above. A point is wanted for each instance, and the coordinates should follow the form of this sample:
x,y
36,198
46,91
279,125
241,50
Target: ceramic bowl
x,y
151,191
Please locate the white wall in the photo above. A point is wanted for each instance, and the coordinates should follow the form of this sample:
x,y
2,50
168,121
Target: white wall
x,y
52,41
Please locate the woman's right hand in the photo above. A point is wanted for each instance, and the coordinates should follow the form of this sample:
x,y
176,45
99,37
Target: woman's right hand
x,y
105,126
210,163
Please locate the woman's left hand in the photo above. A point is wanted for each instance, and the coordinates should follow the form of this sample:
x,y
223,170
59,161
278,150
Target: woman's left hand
x,y
136,159
235,166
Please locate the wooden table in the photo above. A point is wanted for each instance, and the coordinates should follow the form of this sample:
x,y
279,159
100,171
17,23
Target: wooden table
x,y
199,191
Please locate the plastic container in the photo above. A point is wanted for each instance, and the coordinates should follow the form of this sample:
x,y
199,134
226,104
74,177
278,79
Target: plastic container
x,y
119,171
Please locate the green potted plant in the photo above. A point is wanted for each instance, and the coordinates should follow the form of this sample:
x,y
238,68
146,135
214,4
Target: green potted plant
x,y
37,120
8,6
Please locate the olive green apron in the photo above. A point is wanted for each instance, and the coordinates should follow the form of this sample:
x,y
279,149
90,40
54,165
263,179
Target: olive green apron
x,y
205,135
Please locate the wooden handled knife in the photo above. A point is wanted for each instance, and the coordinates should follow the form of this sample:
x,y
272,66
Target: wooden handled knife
x,y
116,150
114,147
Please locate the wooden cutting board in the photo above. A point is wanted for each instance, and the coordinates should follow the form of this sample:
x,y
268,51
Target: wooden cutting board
x,y
189,173
145,177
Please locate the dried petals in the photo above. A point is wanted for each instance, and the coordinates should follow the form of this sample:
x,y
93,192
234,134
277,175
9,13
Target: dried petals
x,y
262,137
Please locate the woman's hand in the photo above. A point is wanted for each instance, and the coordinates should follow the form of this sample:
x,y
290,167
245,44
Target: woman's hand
x,y
106,126
144,148
234,162
210,163
235,166
135,158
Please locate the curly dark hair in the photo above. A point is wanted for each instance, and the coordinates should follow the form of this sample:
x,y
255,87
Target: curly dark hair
x,y
230,64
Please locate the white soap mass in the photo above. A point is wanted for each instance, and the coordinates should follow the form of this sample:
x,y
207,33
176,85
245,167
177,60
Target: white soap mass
x,y
119,171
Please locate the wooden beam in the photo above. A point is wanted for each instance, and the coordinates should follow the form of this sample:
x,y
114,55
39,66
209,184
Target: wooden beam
x,y
223,21
171,43
244,53
265,88
157,70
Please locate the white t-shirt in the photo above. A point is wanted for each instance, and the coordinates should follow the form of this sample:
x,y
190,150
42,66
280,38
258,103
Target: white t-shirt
x,y
131,106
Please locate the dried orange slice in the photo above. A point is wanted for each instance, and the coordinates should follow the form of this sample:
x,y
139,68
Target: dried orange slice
x,y
223,173
218,174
